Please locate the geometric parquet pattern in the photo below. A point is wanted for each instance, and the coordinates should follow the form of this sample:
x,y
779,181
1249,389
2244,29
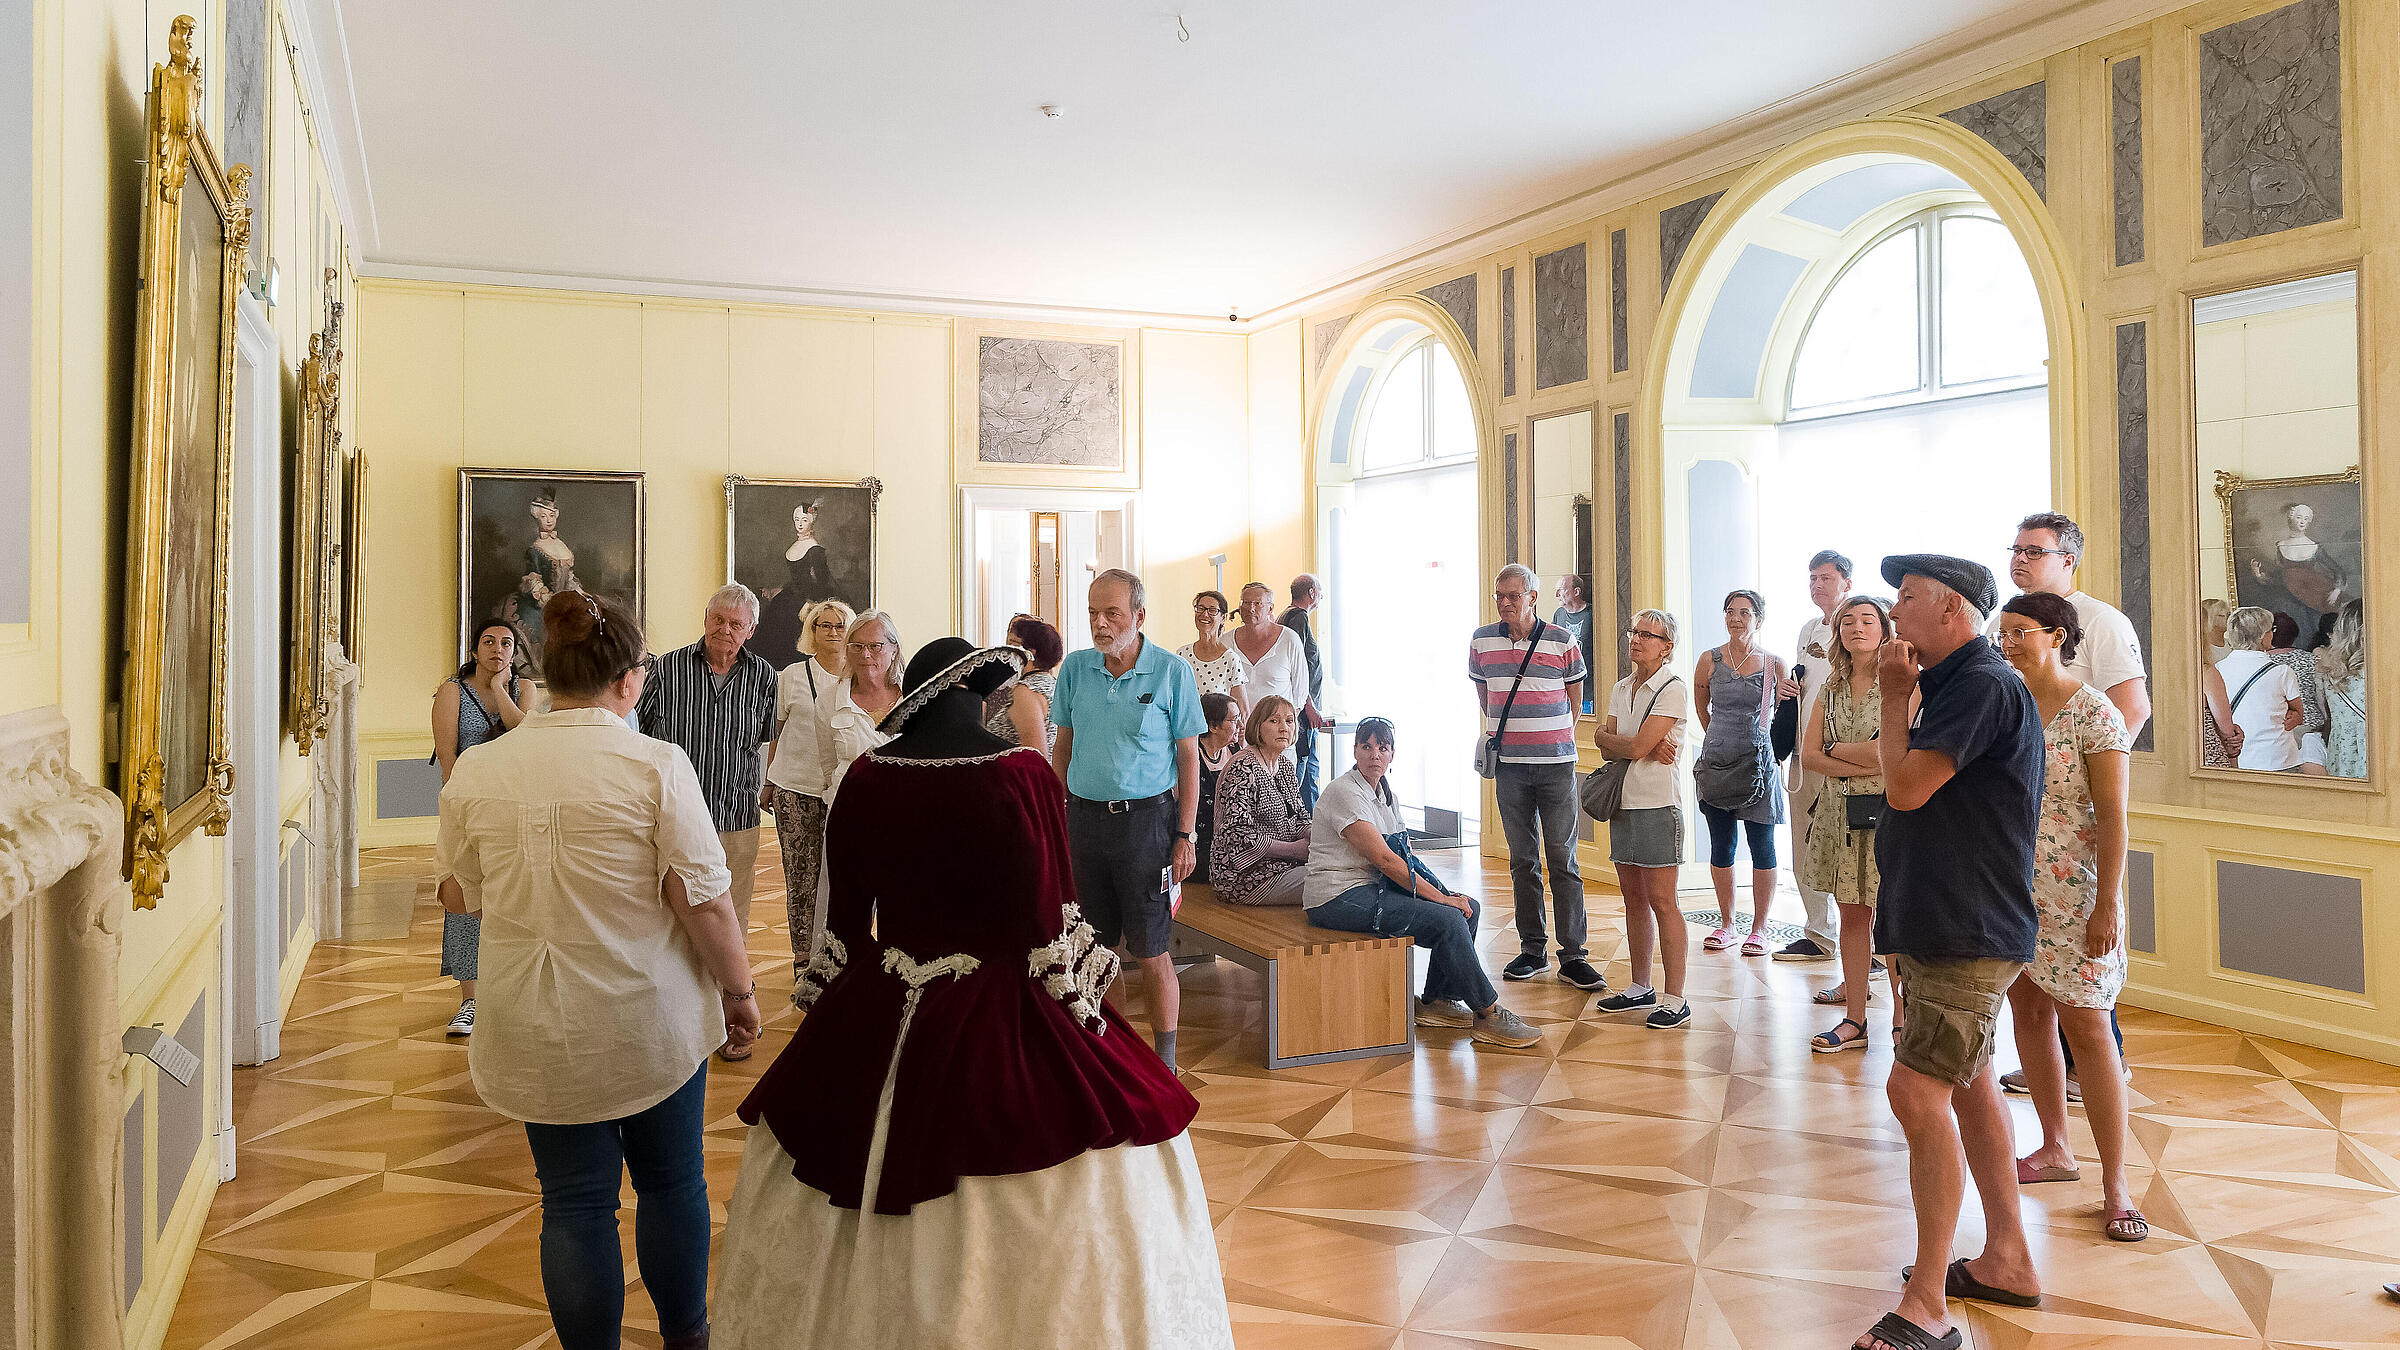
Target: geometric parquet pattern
x,y
1613,1187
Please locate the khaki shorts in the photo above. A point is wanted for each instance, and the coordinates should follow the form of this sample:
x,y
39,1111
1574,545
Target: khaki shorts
x,y
1952,1011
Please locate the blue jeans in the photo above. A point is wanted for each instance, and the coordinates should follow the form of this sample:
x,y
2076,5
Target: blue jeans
x,y
1538,816
1306,769
581,1168
1384,910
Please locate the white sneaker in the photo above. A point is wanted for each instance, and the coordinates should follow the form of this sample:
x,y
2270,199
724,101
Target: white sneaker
x,y
464,1023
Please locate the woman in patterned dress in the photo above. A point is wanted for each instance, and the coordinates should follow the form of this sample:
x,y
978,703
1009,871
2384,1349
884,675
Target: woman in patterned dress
x,y
2342,670
2078,889
1020,714
1260,853
471,707
1218,666
1837,743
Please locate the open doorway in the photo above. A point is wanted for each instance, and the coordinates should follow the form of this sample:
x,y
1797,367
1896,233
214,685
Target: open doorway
x,y
1035,551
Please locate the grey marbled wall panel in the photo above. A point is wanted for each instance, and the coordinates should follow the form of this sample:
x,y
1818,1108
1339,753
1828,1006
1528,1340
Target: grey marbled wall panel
x,y
2017,124
2271,122
2133,491
182,1128
1562,318
1328,333
1619,346
136,1231
1508,497
245,75
2125,141
2307,927
1676,226
1621,475
1457,298
1508,332
2141,901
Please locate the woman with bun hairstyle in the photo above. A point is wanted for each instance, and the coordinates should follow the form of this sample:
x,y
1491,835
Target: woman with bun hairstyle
x,y
617,969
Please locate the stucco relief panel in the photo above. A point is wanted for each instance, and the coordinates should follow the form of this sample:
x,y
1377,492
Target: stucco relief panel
x,y
2017,124
2271,122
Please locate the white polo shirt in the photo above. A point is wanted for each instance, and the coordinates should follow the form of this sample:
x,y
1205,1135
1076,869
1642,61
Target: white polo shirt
x,y
1648,784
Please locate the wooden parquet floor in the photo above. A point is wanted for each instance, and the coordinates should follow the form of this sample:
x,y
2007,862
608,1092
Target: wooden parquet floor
x,y
1614,1187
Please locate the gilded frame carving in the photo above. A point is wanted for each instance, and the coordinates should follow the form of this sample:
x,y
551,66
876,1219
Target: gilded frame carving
x,y
312,561
2230,483
179,156
354,553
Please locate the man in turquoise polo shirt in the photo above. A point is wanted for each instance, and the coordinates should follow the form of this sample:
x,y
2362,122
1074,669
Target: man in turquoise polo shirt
x,y
1129,724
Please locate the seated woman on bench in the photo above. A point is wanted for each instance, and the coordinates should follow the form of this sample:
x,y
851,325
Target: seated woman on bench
x,y
1363,878
1260,843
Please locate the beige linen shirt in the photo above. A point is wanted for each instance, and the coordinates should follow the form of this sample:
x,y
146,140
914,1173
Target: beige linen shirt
x,y
592,1003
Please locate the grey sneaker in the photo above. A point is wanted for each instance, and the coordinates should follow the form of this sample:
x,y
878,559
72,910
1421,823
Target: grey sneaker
x,y
1444,1012
464,1023
1502,1027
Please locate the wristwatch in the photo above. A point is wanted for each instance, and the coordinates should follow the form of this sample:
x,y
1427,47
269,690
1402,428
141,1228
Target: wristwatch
x,y
1186,836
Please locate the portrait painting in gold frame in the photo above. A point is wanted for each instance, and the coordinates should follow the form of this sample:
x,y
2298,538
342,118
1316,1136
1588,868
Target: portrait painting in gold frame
x,y
315,471
172,768
354,552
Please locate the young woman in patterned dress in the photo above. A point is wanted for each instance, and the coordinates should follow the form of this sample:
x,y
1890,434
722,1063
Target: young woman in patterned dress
x,y
471,707
2078,888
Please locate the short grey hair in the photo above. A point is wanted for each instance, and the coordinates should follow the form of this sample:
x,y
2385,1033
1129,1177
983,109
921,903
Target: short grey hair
x,y
735,593
2070,534
1666,623
2249,628
1531,580
1833,558
1134,589
891,627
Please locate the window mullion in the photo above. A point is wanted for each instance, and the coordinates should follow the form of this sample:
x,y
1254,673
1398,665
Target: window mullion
x,y
1929,306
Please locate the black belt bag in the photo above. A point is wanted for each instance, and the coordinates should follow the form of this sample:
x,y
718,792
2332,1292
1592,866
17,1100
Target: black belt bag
x,y
1865,810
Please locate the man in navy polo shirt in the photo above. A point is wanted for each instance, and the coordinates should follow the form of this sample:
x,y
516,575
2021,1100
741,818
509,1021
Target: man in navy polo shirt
x,y
1963,783
1129,724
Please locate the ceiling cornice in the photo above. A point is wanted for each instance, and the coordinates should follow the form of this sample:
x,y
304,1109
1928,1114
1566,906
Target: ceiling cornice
x,y
322,49
2005,42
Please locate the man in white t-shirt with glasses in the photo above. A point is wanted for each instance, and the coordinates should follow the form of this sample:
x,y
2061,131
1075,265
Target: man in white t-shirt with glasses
x,y
1828,587
2109,659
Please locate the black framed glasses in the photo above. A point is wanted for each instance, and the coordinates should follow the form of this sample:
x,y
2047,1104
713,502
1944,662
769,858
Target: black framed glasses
x,y
2031,552
2008,636
648,663
1644,632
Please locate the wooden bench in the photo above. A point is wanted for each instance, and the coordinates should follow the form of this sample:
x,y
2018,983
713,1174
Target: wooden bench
x,y
1330,995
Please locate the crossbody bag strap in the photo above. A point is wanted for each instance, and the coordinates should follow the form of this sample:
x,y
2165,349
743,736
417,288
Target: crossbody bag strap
x,y
1531,642
2236,705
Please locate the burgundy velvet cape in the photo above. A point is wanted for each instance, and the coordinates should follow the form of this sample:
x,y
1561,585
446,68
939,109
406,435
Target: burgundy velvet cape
x,y
998,1076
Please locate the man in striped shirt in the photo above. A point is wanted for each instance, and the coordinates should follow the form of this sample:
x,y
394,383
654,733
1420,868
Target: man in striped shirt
x,y
716,699
1536,780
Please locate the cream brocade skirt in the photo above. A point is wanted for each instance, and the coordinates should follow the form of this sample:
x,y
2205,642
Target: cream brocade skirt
x,y
1110,1248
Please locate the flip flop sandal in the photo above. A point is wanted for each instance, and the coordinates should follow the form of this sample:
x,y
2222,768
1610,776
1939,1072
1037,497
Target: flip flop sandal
x,y
1833,1042
1897,1331
1958,1283
1754,946
2392,1291
733,1056
2128,1225
2030,1175
1718,940
1829,997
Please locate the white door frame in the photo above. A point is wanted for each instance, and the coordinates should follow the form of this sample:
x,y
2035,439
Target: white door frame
x,y
974,497
254,934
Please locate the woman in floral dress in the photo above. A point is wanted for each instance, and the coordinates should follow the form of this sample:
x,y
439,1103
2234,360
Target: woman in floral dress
x,y
1837,742
2078,888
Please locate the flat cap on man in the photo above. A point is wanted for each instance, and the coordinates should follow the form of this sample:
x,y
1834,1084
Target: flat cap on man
x,y
1972,580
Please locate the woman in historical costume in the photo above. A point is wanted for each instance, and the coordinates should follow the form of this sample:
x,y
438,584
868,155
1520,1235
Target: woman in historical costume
x,y
963,1145
808,578
549,569
2297,574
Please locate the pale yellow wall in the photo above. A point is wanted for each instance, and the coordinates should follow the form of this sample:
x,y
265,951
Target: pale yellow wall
x,y
686,392
2274,396
1278,456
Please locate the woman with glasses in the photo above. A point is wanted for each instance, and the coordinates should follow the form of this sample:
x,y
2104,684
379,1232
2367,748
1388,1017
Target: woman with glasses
x,y
2078,890
2264,703
800,770
1218,666
617,968
1838,736
1644,724
1363,878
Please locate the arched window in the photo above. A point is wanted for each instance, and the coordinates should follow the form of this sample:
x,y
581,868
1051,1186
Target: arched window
x,y
1940,306
1420,415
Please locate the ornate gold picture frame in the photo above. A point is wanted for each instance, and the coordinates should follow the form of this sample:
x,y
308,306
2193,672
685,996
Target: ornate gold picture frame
x,y
2260,524
795,541
172,767
315,471
354,552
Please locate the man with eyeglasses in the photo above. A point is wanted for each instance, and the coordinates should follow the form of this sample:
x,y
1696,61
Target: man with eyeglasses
x,y
2109,659
716,699
1129,724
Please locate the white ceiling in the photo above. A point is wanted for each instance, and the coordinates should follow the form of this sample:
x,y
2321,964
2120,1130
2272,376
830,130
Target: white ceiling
x,y
894,149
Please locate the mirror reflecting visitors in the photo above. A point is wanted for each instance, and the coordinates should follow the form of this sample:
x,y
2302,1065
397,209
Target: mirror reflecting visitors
x,y
2282,571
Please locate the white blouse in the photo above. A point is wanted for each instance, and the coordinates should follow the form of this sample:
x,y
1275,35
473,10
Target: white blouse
x,y
805,695
593,1003
1283,671
1230,671
854,734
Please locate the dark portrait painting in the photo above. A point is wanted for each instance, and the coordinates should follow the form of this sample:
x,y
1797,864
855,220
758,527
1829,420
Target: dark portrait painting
x,y
525,535
2295,547
796,543
195,450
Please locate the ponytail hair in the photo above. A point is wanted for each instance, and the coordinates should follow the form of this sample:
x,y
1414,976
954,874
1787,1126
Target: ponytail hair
x,y
588,643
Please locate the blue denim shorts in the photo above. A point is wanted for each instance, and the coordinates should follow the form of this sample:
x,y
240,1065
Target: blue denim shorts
x,y
1650,837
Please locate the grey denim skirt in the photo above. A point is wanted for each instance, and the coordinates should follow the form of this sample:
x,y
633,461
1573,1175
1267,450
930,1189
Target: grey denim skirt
x,y
1651,837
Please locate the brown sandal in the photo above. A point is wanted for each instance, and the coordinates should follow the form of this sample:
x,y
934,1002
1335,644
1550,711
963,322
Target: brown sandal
x,y
2126,1225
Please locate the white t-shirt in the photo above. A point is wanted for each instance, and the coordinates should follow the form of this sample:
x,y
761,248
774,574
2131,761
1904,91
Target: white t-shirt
x,y
1815,665
1283,671
804,697
1334,865
2265,744
1649,785
2109,654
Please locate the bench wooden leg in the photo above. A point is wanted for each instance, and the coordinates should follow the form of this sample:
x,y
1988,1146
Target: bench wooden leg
x,y
1339,1002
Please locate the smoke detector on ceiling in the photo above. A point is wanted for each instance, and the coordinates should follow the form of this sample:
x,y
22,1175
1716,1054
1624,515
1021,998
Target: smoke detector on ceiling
x,y
1053,111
